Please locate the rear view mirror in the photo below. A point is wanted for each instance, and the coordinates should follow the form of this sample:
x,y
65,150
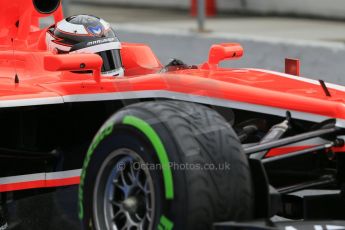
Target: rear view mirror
x,y
74,62
222,52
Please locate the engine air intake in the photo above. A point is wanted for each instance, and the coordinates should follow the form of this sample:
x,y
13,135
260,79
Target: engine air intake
x,y
46,6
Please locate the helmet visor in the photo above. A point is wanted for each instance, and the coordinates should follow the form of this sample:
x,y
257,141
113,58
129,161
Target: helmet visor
x,y
111,60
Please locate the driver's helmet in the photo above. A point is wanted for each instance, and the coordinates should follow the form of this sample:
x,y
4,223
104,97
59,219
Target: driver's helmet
x,y
87,34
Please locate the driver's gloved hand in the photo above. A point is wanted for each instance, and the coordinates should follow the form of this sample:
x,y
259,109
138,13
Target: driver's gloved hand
x,y
176,64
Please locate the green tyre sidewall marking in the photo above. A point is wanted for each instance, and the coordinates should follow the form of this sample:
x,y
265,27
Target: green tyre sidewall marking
x,y
151,134
156,142
96,141
165,224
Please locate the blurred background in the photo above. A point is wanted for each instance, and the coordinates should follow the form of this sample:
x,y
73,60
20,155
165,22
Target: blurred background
x,y
269,30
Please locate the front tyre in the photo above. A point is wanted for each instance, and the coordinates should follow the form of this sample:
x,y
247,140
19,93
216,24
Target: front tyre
x,y
164,165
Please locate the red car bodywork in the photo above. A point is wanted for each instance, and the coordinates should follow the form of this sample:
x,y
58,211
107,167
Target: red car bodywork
x,y
30,75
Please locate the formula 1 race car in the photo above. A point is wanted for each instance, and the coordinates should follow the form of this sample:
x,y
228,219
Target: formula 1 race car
x,y
175,147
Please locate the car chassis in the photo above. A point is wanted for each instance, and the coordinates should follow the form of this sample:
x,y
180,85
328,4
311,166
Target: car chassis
x,y
297,166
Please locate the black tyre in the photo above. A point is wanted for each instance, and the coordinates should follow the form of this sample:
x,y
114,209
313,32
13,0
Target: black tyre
x,y
164,165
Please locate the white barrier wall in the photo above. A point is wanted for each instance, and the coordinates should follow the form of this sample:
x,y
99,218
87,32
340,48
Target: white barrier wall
x,y
177,4
323,8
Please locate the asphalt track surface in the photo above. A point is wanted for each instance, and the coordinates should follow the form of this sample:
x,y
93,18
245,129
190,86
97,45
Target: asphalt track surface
x,y
319,61
267,41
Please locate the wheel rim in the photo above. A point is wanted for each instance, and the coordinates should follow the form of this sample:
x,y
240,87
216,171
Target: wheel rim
x,y
124,193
